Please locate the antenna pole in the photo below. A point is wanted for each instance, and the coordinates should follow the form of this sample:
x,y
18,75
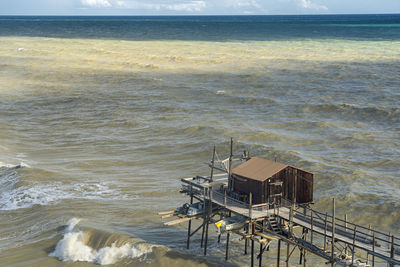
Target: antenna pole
x,y
212,166
230,168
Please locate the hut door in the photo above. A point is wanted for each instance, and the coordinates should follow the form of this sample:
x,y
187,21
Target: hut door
x,y
274,192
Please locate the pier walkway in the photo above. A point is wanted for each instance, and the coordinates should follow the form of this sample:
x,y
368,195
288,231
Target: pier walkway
x,y
319,225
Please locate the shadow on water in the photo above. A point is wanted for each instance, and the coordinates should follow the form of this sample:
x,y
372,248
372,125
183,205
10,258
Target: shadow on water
x,y
206,28
174,238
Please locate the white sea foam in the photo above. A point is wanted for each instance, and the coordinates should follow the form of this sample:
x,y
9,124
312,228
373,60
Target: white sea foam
x,y
13,196
72,248
52,193
11,166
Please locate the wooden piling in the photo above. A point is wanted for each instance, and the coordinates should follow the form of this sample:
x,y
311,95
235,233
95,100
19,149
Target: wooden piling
x,y
326,222
287,254
333,233
312,227
373,249
278,257
227,245
230,167
304,251
206,237
246,242
291,221
204,218
252,246
301,249
369,236
261,244
392,251
208,219
354,246
212,166
189,226
345,229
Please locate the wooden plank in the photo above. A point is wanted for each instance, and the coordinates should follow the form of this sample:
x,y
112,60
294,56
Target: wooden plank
x,y
265,236
180,220
166,212
167,216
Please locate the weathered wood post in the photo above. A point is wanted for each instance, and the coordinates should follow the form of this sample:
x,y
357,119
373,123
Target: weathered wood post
x,y
333,233
189,225
312,227
208,218
392,251
325,228
250,206
373,249
227,245
287,254
212,166
261,244
345,229
301,249
291,221
369,236
304,251
252,245
246,240
230,168
204,217
278,257
354,245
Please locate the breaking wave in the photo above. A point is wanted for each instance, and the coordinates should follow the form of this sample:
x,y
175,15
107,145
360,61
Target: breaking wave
x,y
14,196
75,246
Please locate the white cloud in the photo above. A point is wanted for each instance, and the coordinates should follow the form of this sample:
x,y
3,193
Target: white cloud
x,y
307,4
192,6
242,3
179,5
96,3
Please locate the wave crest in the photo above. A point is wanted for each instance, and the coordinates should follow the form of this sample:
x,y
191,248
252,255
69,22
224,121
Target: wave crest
x,y
72,247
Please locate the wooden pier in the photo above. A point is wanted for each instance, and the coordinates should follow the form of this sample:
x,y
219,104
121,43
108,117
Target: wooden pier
x,y
336,241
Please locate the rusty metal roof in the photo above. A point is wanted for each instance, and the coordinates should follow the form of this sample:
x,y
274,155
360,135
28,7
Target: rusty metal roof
x,y
258,169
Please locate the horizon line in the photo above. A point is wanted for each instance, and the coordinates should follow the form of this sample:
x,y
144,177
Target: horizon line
x,y
195,15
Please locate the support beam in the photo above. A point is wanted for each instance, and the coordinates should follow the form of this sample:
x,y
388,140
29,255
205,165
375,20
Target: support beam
x,y
212,166
278,257
373,248
325,228
227,245
189,226
392,251
304,251
354,246
252,247
333,234
206,237
287,254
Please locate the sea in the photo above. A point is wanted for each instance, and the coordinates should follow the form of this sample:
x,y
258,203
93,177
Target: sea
x,y
100,118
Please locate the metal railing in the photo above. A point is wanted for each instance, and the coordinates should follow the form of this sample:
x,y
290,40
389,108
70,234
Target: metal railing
x,y
383,245
377,243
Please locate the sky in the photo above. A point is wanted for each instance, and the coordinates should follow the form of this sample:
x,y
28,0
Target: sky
x,y
196,7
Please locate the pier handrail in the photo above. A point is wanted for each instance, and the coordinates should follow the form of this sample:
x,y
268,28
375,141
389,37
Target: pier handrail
x,y
368,236
382,244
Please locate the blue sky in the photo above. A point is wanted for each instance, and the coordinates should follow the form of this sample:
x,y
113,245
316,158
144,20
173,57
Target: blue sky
x,y
196,7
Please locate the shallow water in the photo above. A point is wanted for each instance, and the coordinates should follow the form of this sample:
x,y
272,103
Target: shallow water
x,y
104,128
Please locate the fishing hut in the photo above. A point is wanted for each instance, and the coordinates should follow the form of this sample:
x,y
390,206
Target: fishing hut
x,y
267,202
268,181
